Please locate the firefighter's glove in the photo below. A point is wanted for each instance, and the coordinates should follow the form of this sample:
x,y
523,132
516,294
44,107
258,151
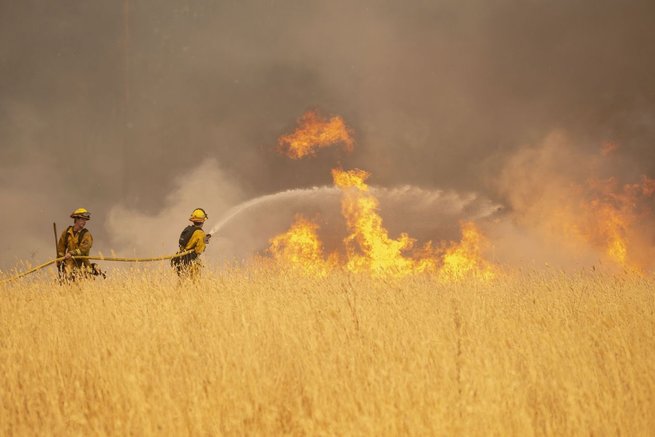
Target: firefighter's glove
x,y
207,238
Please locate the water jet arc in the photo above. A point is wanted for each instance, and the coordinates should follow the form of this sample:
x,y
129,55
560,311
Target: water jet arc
x,y
234,211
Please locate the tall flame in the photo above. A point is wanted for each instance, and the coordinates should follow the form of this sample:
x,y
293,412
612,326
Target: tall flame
x,y
314,132
368,246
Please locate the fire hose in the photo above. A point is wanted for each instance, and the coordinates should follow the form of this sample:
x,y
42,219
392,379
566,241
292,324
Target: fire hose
x,y
95,258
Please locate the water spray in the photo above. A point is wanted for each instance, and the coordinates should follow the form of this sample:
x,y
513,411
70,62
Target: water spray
x,y
296,192
455,201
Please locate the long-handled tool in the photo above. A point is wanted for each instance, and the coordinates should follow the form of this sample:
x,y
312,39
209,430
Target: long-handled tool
x,y
54,228
58,264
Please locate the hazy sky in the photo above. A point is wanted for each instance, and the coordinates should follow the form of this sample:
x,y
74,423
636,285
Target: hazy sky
x,y
116,105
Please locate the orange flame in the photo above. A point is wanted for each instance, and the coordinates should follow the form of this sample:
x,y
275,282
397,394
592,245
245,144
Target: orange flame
x,y
556,189
300,248
368,247
315,132
464,258
610,218
611,213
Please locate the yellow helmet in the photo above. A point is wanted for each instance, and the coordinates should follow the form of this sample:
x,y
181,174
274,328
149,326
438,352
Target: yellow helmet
x,y
81,213
198,215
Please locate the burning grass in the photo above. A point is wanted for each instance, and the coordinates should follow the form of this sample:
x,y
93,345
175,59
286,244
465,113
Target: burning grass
x,y
368,247
259,350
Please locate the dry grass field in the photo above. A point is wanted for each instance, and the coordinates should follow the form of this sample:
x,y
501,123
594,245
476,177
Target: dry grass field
x,y
259,351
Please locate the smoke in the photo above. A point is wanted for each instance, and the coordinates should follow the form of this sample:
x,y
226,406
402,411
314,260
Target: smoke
x,y
143,234
567,207
114,106
26,218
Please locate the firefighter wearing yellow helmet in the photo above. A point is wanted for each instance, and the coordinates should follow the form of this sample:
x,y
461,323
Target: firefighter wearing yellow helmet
x,y
192,238
76,240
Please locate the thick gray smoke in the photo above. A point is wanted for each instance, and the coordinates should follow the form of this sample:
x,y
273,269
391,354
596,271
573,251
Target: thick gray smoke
x,y
141,110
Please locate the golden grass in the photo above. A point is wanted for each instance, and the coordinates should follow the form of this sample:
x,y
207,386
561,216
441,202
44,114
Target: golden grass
x,y
258,351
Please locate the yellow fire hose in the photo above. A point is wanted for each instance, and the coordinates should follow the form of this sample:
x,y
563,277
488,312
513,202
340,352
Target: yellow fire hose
x,y
96,258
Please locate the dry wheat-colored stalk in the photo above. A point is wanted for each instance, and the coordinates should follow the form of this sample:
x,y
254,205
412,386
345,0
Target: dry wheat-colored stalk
x,y
257,350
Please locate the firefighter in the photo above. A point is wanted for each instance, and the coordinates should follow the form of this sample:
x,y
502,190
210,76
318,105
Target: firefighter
x,y
192,238
76,240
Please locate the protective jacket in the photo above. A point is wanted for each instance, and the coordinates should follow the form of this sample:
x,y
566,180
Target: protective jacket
x,y
191,238
77,244
196,242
